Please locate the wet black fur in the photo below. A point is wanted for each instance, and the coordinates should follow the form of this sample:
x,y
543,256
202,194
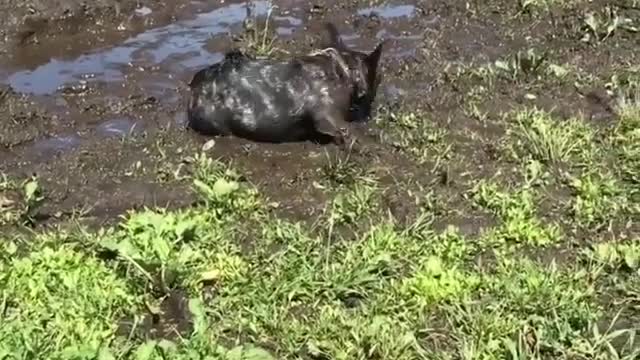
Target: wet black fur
x,y
309,97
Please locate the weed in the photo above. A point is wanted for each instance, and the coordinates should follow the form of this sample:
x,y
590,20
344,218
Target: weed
x,y
626,83
344,171
59,303
522,65
436,282
626,142
161,246
517,210
535,134
534,6
542,306
18,201
600,25
615,255
256,41
607,345
223,189
352,204
597,200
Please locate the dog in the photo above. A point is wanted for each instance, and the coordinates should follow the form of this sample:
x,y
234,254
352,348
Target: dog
x,y
309,97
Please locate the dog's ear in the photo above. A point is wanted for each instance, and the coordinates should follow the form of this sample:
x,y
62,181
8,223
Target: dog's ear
x,y
332,37
373,58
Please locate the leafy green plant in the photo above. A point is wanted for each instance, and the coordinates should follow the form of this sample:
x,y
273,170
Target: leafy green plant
x,y
223,189
161,245
59,303
19,208
437,282
597,199
517,210
616,255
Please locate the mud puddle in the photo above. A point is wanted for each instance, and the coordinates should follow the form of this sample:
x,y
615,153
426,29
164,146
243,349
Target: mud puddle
x,y
178,47
389,11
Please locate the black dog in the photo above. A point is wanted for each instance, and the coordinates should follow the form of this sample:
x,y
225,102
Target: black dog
x,y
310,97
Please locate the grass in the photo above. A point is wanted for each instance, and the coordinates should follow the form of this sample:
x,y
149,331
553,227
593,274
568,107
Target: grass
x,y
298,292
415,134
552,275
354,283
516,210
260,42
535,134
60,303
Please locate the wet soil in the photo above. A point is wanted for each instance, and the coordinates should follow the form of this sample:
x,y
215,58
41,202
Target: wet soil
x,y
92,95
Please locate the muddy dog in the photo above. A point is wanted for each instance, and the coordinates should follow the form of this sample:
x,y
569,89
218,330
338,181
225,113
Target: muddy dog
x,y
310,97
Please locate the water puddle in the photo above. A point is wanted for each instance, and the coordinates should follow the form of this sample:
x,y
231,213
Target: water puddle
x,y
184,40
120,127
389,11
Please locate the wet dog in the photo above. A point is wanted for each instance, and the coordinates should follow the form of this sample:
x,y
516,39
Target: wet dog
x,y
310,97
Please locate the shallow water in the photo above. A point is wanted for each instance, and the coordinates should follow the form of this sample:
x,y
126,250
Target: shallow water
x,y
183,39
389,11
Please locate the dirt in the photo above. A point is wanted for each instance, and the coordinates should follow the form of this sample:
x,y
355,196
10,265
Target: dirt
x,y
93,95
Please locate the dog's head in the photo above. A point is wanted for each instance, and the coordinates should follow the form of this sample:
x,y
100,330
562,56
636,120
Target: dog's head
x,y
364,68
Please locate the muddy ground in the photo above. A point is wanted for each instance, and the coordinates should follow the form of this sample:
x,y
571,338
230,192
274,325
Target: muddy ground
x,y
93,96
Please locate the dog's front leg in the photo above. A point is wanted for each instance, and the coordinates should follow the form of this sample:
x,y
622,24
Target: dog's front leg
x,y
333,124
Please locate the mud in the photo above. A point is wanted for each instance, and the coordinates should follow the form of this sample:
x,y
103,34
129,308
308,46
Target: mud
x,y
92,95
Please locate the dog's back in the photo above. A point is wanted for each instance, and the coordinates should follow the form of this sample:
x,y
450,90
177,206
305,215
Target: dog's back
x,y
260,99
204,89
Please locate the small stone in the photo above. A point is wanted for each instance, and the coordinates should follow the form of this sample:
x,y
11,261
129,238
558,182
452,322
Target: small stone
x,y
208,145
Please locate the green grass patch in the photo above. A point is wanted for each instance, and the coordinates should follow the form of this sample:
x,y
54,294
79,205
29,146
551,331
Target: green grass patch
x,y
517,211
549,308
626,143
60,303
537,135
598,200
263,287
